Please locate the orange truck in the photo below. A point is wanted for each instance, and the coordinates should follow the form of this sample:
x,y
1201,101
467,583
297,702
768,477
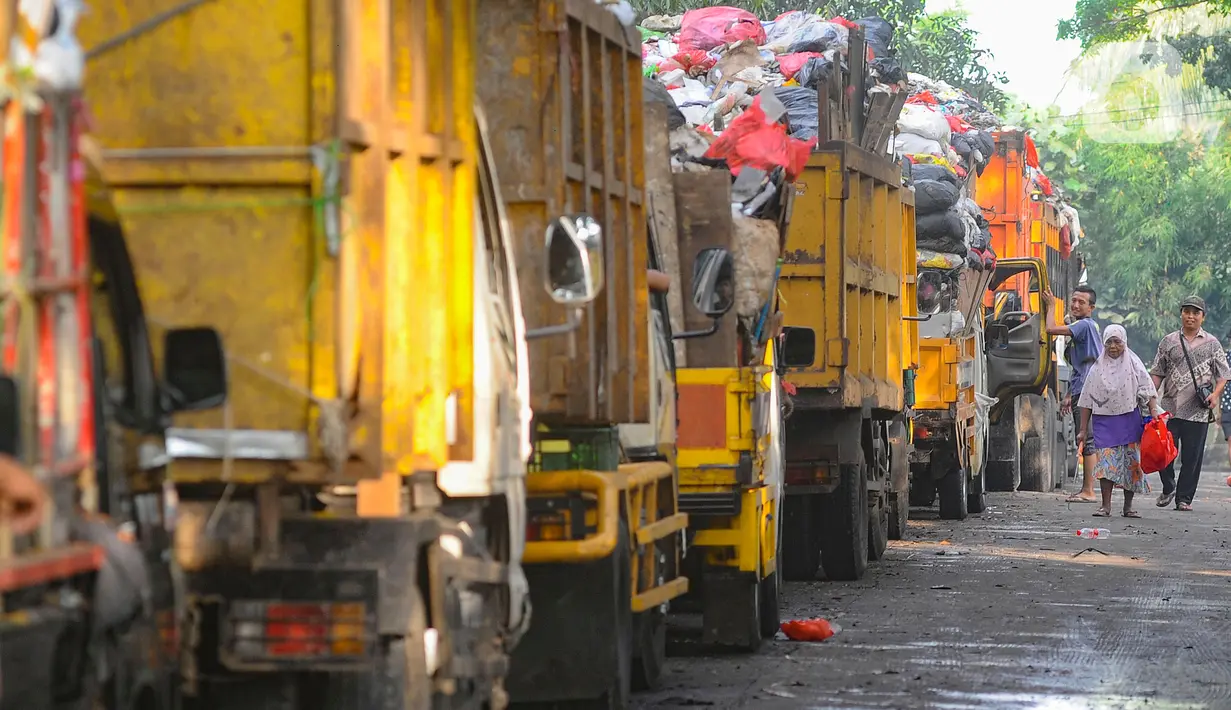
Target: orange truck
x,y
1030,444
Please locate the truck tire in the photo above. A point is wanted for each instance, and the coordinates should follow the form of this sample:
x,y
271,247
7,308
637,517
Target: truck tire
x,y
878,528
1002,476
922,487
844,520
976,496
801,537
1036,464
650,637
953,488
770,599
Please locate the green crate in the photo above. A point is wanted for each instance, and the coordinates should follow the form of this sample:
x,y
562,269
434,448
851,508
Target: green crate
x,y
570,449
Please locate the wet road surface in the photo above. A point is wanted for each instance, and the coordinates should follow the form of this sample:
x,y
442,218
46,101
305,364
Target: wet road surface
x,y
996,612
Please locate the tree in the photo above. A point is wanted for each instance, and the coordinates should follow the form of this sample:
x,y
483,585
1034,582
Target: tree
x,y
1098,21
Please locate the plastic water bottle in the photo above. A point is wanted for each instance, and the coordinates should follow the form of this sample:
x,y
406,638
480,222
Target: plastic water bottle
x,y
1094,533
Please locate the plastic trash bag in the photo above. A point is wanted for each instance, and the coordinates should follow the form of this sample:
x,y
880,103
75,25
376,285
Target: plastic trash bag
x,y
711,27
889,70
790,64
1157,445
802,110
653,91
752,139
912,144
879,34
928,259
924,122
59,60
943,232
809,630
801,32
933,196
919,172
814,72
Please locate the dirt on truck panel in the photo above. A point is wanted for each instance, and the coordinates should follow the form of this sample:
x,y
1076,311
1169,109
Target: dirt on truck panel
x,y
997,612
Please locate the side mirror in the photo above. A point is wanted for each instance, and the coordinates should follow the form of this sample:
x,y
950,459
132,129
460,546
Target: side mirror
x,y
997,335
713,282
574,260
194,369
10,416
798,347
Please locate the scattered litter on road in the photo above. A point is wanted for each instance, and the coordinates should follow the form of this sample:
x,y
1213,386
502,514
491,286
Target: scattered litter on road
x,y
941,587
808,630
778,692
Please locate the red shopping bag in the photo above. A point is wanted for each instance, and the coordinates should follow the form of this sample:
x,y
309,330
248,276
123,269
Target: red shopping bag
x,y
1157,446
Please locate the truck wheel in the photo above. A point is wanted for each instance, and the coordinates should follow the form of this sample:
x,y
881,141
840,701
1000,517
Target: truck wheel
x,y
844,520
1002,476
899,515
953,491
650,634
1036,465
878,528
770,595
922,487
801,544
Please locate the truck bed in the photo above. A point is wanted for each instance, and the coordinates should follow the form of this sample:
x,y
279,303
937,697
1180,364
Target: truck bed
x,y
849,276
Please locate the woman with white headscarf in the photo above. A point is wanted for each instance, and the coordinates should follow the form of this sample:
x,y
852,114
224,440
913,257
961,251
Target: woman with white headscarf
x,y
1116,389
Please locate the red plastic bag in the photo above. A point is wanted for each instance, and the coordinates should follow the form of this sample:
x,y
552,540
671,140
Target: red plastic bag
x,y
923,97
790,64
1032,153
711,27
694,61
957,125
1157,445
752,140
810,630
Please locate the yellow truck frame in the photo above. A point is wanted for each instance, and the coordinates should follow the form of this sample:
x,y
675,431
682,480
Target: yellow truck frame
x,y
850,344
731,461
563,81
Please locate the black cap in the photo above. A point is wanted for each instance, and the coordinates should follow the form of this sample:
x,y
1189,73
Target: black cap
x,y
1193,302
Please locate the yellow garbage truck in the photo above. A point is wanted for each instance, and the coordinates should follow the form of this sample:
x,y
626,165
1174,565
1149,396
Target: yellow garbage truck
x,y
313,183
850,348
561,80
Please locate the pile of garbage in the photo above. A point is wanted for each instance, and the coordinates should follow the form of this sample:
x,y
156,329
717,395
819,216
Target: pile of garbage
x,y
714,61
944,141
744,94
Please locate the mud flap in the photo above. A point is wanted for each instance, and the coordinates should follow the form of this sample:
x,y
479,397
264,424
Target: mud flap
x,y
579,646
731,612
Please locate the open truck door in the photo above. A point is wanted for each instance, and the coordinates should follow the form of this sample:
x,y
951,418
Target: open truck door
x,y
1017,344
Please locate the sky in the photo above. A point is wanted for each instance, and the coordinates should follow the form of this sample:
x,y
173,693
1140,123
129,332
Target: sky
x,y
1025,46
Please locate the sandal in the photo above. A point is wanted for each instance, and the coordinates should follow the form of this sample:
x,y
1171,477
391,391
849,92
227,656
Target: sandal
x,y
1186,507
1131,514
1076,498
1102,513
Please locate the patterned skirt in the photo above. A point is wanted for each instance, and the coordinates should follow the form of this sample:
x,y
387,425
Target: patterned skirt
x,y
1122,466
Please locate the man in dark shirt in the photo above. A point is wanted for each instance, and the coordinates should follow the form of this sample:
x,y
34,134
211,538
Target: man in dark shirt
x,y
1082,352
1188,360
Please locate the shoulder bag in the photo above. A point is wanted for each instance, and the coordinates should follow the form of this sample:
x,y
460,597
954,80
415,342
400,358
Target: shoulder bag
x,y
1204,392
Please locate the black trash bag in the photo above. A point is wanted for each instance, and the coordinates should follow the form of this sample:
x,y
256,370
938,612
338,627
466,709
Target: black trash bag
x,y
983,241
933,196
827,38
814,72
927,171
983,142
879,34
802,110
889,70
942,232
962,146
653,91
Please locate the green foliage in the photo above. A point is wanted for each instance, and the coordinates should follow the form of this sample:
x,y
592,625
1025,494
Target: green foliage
x,y
1098,21
942,46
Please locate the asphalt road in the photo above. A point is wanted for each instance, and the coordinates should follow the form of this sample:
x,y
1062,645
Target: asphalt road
x,y
1001,611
